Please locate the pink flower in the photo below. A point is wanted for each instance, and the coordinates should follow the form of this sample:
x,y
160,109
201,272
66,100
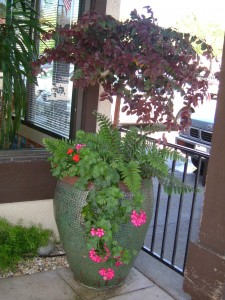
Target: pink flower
x,y
78,146
107,274
97,232
93,256
138,219
118,261
97,258
92,231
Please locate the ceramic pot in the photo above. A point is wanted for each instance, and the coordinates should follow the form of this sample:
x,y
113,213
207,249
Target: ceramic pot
x,y
68,204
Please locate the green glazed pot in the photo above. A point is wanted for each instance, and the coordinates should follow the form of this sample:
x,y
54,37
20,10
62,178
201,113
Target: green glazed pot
x,y
68,204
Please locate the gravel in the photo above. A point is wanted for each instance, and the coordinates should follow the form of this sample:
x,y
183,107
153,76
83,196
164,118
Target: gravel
x,y
56,259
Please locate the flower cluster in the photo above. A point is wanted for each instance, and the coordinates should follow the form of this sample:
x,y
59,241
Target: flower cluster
x,y
97,232
75,156
118,261
107,274
79,146
97,258
138,219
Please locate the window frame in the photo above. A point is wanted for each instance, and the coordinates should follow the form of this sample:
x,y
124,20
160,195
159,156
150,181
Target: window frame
x,y
76,106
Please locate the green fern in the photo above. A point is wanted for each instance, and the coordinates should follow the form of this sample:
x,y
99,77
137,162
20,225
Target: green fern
x,y
152,128
56,146
131,175
173,185
108,137
87,138
59,162
168,153
133,154
133,144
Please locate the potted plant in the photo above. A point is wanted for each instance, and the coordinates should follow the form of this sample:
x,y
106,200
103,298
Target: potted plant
x,y
105,174
137,62
104,198
19,27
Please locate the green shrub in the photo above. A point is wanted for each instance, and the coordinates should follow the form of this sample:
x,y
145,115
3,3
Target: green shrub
x,y
18,242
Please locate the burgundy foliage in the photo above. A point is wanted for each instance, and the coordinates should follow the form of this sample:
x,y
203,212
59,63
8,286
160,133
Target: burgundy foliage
x,y
137,60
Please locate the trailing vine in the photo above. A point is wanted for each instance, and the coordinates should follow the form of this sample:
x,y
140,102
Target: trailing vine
x,y
108,160
136,61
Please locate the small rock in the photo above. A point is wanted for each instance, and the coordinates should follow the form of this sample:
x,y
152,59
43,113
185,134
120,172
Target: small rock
x,y
46,250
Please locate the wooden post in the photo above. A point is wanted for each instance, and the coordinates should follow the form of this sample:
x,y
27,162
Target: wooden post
x,y
205,268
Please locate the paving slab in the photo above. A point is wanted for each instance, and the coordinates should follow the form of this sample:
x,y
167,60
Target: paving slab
x,y
163,277
40,286
152,293
134,282
60,285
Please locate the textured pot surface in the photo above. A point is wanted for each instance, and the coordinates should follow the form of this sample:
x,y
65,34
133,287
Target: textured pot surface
x,y
68,204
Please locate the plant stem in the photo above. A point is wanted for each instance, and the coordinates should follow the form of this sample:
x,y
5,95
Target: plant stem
x,y
116,111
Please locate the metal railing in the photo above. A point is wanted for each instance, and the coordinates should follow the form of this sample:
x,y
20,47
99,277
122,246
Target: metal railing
x,y
176,218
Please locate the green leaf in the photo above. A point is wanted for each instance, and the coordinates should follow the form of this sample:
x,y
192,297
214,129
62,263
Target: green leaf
x,y
78,74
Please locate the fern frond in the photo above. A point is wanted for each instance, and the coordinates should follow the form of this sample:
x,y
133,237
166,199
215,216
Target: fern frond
x,y
153,165
171,185
133,144
152,128
131,176
103,121
58,160
109,138
168,153
57,147
88,138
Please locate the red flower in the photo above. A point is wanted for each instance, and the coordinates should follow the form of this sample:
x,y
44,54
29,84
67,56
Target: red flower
x,y
69,151
76,158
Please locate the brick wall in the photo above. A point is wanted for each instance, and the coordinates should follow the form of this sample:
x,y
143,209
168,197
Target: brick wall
x,y
25,176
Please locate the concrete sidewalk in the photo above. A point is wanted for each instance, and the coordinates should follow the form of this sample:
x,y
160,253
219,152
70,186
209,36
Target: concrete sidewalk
x,y
60,285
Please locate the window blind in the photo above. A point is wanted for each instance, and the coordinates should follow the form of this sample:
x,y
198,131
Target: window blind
x,y
50,101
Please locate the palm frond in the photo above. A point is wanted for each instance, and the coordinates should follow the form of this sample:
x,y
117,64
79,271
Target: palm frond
x,y
17,50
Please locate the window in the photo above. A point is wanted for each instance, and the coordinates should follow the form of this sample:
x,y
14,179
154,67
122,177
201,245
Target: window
x,y
50,101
